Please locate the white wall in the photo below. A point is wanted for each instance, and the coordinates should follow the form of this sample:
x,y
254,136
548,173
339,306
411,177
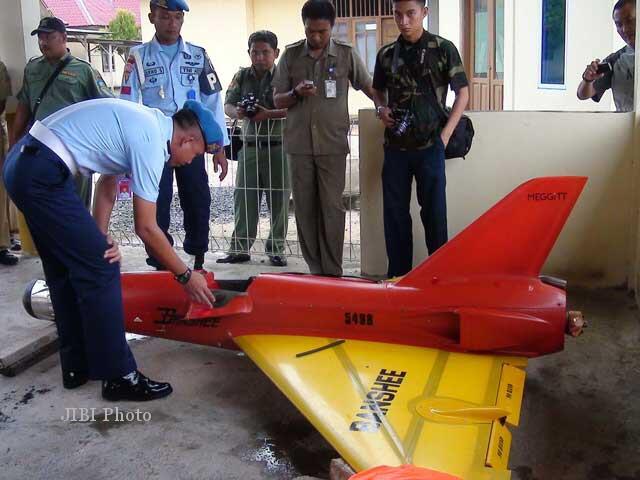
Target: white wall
x,y
450,20
590,34
596,247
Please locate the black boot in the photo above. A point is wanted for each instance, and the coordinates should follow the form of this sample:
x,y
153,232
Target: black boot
x,y
8,258
278,260
71,380
235,258
135,387
198,263
152,262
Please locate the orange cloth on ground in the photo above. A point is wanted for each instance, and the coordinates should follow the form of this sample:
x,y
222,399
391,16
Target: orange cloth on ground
x,y
405,472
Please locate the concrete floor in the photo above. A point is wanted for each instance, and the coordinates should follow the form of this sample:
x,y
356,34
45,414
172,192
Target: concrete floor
x,y
581,414
225,420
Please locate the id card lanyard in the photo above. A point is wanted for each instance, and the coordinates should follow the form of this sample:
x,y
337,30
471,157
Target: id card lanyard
x,y
124,187
331,85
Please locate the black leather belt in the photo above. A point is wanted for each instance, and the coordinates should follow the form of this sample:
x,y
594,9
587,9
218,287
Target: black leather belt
x,y
263,143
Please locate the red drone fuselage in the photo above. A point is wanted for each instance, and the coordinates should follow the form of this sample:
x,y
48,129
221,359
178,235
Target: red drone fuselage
x,y
512,315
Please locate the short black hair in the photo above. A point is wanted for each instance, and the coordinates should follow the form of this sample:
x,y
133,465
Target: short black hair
x,y
621,4
264,36
421,2
186,119
319,10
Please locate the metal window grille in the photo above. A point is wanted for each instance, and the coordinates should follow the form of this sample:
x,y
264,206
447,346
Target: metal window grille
x,y
363,8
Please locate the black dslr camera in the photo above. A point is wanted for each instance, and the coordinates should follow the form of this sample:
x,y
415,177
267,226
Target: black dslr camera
x,y
403,119
250,104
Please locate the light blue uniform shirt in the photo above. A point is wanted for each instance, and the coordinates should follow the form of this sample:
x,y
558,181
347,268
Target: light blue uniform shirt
x,y
170,74
170,51
114,137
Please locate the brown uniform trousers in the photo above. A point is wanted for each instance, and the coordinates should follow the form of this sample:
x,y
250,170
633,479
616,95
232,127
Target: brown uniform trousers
x,y
316,143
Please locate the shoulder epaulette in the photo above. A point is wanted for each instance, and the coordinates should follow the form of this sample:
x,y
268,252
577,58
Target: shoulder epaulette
x,y
138,47
387,47
615,56
192,45
73,57
296,44
342,43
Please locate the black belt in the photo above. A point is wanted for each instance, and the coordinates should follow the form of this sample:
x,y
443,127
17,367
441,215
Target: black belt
x,y
263,143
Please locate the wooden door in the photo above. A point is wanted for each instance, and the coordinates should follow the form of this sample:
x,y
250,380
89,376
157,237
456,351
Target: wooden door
x,y
484,53
390,31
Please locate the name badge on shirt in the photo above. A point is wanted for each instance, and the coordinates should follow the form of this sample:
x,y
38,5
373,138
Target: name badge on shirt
x,y
331,88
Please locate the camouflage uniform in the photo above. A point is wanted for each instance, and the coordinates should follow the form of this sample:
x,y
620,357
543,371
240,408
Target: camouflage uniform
x,y
262,167
432,55
403,71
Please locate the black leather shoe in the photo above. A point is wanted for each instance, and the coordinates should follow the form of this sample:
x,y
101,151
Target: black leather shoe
x,y
135,387
71,380
198,263
235,258
152,262
8,258
278,260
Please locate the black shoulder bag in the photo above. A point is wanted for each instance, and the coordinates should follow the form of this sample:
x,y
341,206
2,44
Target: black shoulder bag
x,y
462,136
50,81
235,136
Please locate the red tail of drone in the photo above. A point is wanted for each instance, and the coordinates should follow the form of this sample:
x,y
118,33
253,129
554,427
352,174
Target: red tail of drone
x,y
514,237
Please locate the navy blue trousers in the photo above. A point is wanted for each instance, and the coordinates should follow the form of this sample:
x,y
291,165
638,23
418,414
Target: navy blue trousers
x,y
400,167
195,200
85,289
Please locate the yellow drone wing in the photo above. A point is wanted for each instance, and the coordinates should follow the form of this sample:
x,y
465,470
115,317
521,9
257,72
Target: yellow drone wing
x,y
385,404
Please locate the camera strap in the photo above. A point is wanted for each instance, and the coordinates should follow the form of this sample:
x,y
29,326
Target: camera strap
x,y
395,63
61,66
427,79
420,80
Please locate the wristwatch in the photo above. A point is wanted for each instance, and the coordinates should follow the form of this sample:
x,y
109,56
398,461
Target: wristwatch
x,y
294,93
183,278
378,110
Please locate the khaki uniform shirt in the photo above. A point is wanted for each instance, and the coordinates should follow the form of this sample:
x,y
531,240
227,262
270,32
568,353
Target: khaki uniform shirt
x,y
78,81
5,93
244,82
320,125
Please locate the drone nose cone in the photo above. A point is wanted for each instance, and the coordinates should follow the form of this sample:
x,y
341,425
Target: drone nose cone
x,y
575,323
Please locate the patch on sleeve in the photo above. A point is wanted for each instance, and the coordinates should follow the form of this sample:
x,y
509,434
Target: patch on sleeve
x,y
213,148
128,68
209,81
